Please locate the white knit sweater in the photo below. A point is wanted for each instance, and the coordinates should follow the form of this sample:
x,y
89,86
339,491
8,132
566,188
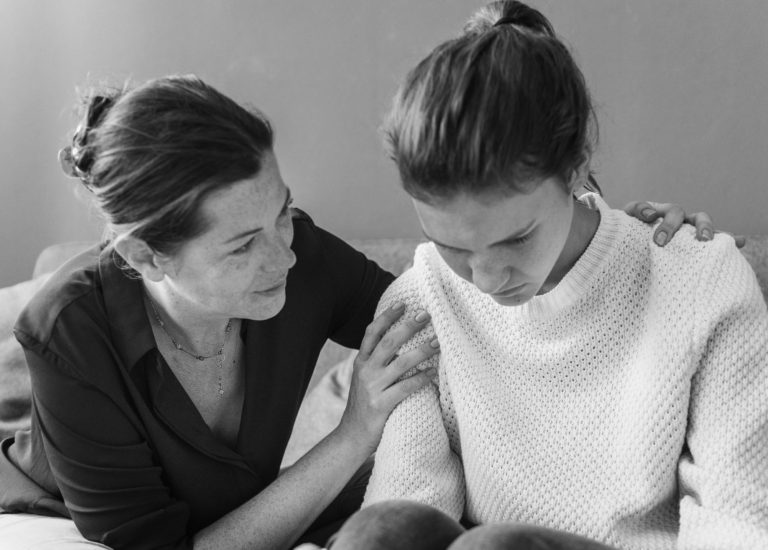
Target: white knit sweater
x,y
629,404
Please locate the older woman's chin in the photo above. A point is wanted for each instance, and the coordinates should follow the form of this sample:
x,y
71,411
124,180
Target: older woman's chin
x,y
261,307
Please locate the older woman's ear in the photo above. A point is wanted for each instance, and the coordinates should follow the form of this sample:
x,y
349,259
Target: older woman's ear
x,y
142,258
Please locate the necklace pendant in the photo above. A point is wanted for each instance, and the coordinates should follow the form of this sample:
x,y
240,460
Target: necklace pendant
x,y
200,358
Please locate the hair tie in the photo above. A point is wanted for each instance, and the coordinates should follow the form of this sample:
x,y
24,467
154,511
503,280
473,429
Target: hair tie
x,y
68,163
68,159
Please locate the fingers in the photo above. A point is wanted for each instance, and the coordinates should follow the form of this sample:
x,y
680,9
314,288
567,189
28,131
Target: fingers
x,y
643,211
704,227
674,217
402,389
389,344
408,361
378,327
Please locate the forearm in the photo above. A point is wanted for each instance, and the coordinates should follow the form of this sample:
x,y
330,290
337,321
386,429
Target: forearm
x,y
280,513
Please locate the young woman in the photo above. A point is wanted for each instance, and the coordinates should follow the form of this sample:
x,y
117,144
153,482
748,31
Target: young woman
x,y
593,390
168,364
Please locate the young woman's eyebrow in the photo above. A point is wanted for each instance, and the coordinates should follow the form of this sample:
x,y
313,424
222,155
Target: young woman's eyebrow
x,y
505,240
255,230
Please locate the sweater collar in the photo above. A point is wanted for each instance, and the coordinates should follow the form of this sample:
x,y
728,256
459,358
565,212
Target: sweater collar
x,y
581,278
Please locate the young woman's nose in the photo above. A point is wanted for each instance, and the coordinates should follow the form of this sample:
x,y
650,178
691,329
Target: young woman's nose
x,y
489,277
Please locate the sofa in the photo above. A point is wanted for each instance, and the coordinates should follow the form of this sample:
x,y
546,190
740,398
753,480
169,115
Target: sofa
x,y
324,403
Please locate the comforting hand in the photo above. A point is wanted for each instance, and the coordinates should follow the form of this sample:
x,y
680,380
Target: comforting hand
x,y
376,387
673,218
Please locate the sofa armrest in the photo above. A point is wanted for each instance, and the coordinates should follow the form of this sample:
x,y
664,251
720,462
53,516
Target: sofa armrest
x,y
52,257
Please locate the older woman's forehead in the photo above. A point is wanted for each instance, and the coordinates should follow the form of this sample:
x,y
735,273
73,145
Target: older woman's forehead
x,y
245,205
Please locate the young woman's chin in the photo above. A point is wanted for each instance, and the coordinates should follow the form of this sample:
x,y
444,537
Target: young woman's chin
x,y
516,296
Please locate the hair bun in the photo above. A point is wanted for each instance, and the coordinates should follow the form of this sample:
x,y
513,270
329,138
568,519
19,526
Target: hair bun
x,y
76,160
521,15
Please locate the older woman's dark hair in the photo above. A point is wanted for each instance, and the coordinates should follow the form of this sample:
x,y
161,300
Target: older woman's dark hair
x,y
151,154
499,108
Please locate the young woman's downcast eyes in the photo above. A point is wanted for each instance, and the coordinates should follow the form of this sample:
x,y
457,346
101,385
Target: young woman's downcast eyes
x,y
512,242
520,240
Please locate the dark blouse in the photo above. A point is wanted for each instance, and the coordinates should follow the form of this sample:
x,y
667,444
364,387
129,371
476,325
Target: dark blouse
x,y
113,433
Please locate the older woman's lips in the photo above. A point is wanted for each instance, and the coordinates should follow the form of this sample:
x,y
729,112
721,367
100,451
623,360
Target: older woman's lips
x,y
273,290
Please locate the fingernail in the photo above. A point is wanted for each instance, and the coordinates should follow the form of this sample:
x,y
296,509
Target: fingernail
x,y
648,212
432,372
434,343
422,316
661,237
398,306
706,234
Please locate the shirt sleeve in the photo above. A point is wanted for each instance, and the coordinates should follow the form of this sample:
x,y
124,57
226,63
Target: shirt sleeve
x,y
102,463
356,282
724,475
414,459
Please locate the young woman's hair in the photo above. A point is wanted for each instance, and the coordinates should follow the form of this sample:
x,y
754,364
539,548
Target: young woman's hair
x,y
499,108
151,154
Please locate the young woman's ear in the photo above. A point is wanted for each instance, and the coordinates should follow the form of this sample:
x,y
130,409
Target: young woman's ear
x,y
142,258
580,175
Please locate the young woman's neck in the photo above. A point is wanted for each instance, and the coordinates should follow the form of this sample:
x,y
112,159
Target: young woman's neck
x,y
583,227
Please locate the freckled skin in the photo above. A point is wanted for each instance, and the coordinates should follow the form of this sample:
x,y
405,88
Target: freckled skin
x,y
214,277
475,228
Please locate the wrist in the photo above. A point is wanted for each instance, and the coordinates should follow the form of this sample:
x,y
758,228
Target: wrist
x,y
355,439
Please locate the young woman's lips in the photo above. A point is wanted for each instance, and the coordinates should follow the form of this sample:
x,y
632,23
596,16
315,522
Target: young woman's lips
x,y
509,292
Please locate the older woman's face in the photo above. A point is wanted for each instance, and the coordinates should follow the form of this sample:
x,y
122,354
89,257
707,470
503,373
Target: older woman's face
x,y
238,266
505,245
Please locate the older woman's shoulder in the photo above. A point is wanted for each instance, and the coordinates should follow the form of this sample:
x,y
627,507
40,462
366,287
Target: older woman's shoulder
x,y
74,279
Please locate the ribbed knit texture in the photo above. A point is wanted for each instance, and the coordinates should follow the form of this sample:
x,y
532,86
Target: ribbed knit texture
x,y
629,404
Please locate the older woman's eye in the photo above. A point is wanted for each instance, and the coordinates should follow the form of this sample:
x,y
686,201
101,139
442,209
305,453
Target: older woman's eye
x,y
245,248
287,208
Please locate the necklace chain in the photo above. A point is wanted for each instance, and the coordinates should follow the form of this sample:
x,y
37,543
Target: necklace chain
x,y
178,347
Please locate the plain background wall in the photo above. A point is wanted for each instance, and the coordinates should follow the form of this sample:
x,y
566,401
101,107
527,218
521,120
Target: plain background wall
x,y
681,89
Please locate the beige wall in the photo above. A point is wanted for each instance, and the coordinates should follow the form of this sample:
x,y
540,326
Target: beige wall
x,y
681,88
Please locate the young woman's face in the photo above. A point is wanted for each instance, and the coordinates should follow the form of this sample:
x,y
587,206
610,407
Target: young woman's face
x,y
238,266
506,246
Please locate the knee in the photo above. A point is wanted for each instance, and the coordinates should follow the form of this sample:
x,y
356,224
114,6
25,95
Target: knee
x,y
515,536
397,524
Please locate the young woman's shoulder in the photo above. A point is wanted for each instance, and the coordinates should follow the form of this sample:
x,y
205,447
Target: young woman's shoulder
x,y
409,287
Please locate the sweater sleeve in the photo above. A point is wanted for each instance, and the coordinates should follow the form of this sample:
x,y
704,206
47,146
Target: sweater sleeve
x,y
414,459
724,475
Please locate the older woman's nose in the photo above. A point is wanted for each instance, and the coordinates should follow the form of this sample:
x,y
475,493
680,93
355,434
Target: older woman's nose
x,y
281,257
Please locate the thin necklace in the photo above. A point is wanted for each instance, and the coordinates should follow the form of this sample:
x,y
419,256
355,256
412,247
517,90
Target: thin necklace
x,y
220,355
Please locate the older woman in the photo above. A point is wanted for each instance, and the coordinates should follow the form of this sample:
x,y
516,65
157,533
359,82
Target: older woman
x,y
169,362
